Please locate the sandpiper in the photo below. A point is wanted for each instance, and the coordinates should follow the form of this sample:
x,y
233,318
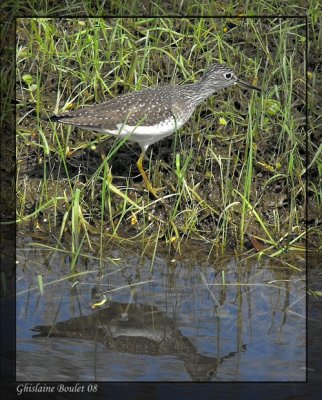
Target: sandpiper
x,y
152,114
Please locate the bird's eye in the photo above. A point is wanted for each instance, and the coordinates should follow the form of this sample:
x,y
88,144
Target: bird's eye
x,y
228,75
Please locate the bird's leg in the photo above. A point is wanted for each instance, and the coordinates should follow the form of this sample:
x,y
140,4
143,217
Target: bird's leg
x,y
148,185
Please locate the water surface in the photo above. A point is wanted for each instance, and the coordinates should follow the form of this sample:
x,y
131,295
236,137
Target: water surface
x,y
167,317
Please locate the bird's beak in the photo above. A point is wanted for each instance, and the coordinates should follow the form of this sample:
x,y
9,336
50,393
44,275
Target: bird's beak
x,y
247,85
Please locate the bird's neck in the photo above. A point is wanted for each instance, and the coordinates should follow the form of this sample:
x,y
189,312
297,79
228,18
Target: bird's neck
x,y
199,91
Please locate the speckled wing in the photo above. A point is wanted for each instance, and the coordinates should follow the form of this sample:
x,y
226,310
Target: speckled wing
x,y
147,107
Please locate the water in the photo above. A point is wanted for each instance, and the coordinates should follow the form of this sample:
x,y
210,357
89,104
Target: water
x,y
176,318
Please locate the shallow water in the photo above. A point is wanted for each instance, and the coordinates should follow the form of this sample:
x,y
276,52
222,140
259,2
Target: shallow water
x,y
167,318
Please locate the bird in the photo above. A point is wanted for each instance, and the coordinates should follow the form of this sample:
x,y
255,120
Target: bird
x,y
151,114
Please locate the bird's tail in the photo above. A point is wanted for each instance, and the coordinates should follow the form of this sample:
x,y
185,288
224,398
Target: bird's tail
x,y
52,118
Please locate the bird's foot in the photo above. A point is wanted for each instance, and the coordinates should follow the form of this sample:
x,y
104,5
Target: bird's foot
x,y
154,191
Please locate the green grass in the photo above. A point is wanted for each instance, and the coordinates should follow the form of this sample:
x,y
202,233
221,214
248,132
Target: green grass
x,y
235,169
157,8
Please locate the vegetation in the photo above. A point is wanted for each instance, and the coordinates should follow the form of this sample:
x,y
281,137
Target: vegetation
x,y
235,175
